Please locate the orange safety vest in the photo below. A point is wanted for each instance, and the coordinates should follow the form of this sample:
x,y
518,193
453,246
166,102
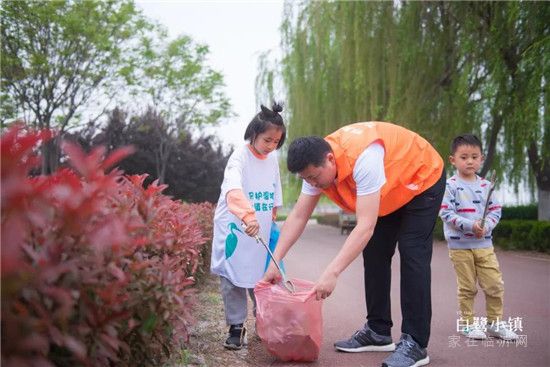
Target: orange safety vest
x,y
411,164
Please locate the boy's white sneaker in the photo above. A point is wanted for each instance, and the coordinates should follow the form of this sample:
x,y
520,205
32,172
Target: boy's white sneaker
x,y
473,332
501,330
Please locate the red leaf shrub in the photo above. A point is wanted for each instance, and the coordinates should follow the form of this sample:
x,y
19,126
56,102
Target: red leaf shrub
x,y
96,269
204,212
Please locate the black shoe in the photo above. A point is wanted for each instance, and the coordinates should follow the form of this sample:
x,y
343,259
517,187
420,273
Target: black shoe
x,y
366,340
407,354
237,337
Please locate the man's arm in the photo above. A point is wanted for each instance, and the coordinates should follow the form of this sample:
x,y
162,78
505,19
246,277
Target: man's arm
x,y
367,215
290,232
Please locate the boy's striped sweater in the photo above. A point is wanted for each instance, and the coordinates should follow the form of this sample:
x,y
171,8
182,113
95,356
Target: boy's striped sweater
x,y
462,205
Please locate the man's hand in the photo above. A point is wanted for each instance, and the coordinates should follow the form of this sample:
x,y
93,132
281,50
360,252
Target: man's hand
x,y
272,274
324,286
252,228
477,229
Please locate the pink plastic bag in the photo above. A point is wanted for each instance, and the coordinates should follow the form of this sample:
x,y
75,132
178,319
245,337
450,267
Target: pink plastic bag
x,y
290,325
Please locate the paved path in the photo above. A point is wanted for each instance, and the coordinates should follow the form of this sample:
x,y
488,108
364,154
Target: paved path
x,y
527,296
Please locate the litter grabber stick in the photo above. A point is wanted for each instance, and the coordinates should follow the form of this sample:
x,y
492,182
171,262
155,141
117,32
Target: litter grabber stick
x,y
492,180
286,282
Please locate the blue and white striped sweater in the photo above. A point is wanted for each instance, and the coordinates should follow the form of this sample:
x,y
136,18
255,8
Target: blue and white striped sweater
x,y
462,205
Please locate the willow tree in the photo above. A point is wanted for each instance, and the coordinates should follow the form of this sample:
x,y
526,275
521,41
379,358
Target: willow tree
x,y
505,47
439,68
514,43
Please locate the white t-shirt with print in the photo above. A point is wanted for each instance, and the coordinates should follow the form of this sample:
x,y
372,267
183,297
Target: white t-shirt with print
x,y
260,182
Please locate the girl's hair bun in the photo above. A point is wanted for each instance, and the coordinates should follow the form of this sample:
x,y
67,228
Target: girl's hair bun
x,y
263,120
273,112
266,111
277,107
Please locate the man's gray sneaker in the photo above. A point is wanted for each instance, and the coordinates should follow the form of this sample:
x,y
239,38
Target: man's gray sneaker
x,y
366,340
407,354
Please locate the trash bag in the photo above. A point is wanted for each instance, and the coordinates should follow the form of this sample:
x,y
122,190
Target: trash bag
x,y
273,238
290,325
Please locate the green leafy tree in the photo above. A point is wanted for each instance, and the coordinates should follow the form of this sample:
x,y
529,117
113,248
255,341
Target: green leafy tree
x,y
176,81
57,55
514,43
439,68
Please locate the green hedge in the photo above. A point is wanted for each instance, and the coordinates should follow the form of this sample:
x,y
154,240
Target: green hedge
x,y
282,217
523,235
330,219
514,234
509,234
528,212
438,230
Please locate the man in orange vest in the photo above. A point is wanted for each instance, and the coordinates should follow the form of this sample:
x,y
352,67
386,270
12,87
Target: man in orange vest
x,y
394,181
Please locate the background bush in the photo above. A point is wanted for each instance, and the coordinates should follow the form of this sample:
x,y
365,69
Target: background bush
x,y
528,212
330,219
97,270
515,234
192,167
522,233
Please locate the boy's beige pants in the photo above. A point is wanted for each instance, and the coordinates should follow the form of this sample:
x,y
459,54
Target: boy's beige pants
x,y
479,265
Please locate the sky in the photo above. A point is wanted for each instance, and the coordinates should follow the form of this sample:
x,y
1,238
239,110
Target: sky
x,y
236,32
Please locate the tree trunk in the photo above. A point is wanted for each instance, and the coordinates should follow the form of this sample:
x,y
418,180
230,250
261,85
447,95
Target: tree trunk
x,y
50,156
541,168
491,146
544,204
162,156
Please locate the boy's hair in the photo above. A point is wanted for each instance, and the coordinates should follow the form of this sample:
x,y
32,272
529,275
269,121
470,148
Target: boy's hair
x,y
260,123
465,139
305,151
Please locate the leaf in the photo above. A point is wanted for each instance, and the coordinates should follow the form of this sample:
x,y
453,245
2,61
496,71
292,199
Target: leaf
x,y
116,156
75,346
149,324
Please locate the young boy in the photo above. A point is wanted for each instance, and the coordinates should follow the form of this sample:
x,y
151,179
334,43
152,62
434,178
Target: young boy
x,y
470,245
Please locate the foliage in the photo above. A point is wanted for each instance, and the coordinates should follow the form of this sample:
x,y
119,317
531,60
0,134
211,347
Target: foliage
x,y
60,58
56,55
510,234
177,81
525,212
438,233
438,68
96,269
204,213
328,219
523,235
194,170
515,234
173,76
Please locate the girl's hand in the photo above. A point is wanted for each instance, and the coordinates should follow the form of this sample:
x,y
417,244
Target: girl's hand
x,y
324,286
252,228
272,274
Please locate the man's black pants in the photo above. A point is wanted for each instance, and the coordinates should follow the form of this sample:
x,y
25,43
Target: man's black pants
x,y
411,227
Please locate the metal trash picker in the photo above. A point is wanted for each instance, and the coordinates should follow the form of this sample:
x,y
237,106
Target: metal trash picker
x,y
286,282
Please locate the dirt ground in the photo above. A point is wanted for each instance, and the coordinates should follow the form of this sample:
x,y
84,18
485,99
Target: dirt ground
x,y
209,332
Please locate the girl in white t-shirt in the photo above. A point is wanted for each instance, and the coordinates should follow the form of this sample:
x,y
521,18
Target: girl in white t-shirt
x,y
250,194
